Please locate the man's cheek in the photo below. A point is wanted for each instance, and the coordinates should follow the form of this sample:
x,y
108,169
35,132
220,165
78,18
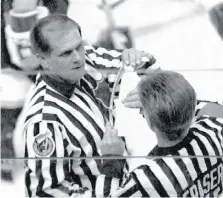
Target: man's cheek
x,y
59,65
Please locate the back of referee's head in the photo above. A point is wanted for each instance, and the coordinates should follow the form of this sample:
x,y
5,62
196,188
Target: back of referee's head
x,y
168,102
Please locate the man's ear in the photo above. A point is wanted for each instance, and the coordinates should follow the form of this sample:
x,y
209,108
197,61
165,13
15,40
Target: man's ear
x,y
42,60
39,57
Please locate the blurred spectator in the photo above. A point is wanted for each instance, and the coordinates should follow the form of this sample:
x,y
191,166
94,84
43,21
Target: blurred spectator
x,y
16,55
14,87
8,116
25,13
5,57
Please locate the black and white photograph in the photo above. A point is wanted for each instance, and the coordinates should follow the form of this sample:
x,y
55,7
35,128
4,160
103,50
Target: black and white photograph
x,y
111,98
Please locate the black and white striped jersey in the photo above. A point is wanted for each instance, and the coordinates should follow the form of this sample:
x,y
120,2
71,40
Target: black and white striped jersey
x,y
72,127
183,171
60,127
57,126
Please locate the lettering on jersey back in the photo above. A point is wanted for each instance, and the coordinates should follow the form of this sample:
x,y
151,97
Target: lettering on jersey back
x,y
209,183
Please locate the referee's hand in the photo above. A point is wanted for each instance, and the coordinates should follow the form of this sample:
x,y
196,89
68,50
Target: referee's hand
x,y
112,144
133,57
132,99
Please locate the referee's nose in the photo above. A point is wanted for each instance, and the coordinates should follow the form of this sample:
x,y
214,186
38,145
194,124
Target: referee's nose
x,y
76,58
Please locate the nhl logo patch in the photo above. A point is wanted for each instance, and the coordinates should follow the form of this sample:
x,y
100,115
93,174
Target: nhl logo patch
x,y
45,147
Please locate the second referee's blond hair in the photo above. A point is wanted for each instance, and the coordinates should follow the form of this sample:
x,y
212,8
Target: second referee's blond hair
x,y
169,101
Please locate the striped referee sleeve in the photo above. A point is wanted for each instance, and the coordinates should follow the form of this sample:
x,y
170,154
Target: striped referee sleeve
x,y
49,177
208,108
112,187
108,58
104,58
133,186
101,58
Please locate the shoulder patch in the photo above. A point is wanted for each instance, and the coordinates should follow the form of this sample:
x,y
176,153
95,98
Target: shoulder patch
x,y
43,146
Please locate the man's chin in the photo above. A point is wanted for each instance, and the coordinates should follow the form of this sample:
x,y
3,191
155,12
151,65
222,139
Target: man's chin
x,y
74,79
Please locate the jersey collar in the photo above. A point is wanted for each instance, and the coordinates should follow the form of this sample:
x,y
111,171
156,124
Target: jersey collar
x,y
63,87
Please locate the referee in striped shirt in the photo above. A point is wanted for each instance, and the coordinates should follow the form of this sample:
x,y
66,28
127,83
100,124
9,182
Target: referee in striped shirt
x,y
184,129
63,118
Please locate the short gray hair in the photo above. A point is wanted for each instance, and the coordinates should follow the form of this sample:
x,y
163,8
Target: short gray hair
x,y
169,101
39,41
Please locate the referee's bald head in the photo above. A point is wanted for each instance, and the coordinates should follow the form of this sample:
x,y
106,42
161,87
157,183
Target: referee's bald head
x,y
48,27
168,102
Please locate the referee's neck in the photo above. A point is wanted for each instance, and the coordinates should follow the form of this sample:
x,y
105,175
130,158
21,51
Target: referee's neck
x,y
163,141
